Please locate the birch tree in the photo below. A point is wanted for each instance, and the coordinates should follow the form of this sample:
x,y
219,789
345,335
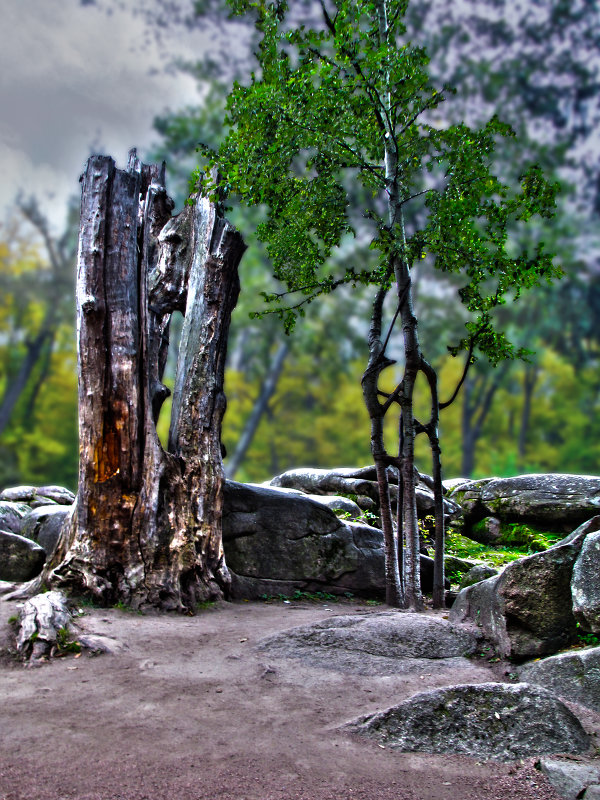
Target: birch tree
x,y
349,103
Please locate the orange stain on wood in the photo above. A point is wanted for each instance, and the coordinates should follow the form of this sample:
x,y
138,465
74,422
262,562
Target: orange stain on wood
x,y
106,457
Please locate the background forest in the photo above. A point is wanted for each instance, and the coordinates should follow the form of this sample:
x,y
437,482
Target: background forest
x,y
296,400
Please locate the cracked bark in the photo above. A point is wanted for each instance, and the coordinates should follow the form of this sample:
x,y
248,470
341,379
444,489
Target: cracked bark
x,y
147,523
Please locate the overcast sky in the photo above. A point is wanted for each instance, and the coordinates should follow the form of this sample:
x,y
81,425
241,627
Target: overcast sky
x,y
73,79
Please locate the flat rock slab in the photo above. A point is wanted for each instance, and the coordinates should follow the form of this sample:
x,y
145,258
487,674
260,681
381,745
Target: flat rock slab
x,y
497,721
574,675
375,644
38,495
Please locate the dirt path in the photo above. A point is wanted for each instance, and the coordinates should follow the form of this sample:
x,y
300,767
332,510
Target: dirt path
x,y
191,711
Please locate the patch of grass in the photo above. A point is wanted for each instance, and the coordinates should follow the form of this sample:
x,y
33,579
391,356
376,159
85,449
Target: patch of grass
x,y
587,639
455,576
14,620
65,644
83,602
367,517
463,547
205,605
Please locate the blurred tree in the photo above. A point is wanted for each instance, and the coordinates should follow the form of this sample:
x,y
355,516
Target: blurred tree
x,y
38,409
37,297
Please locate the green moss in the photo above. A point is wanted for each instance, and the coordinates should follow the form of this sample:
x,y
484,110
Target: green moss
x,y
498,556
480,527
536,540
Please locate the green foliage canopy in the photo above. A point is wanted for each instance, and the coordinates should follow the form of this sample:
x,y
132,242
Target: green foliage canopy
x,y
331,107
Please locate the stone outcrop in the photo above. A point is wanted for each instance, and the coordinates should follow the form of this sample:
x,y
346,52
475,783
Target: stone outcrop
x,y
38,495
491,720
585,584
277,541
574,675
361,483
526,610
555,502
375,643
43,525
11,515
20,559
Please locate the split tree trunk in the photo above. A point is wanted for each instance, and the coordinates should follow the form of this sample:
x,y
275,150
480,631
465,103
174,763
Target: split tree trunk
x,y
147,523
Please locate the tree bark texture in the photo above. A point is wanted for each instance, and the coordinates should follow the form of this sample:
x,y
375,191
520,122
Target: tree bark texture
x,y
378,361
147,523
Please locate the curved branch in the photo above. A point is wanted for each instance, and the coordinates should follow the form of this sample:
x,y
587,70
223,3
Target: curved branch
x,y
463,377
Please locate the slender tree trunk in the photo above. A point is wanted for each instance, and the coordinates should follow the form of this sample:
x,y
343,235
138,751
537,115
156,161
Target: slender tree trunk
x,y
40,379
477,402
17,385
432,431
260,406
377,363
147,524
467,437
529,381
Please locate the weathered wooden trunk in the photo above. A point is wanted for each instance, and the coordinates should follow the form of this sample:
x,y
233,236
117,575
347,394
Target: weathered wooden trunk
x,y
147,523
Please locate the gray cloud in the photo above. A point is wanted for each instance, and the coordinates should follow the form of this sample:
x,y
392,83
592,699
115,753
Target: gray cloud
x,y
75,77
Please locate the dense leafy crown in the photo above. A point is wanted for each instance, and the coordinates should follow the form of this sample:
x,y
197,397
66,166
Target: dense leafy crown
x,y
342,128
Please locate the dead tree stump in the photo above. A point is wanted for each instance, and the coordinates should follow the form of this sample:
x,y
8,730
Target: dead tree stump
x,y
147,523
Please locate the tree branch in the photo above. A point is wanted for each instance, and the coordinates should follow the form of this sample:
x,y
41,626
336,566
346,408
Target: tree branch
x,y
466,368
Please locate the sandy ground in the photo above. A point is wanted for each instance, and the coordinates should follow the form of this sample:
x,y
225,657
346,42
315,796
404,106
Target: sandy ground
x,y
191,710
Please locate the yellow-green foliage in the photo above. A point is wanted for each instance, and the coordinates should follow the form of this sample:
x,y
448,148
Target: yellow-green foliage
x,y
42,446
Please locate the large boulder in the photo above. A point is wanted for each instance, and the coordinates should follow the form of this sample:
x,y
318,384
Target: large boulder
x,y
555,501
375,643
20,558
490,720
526,610
585,586
277,541
43,525
11,515
574,675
